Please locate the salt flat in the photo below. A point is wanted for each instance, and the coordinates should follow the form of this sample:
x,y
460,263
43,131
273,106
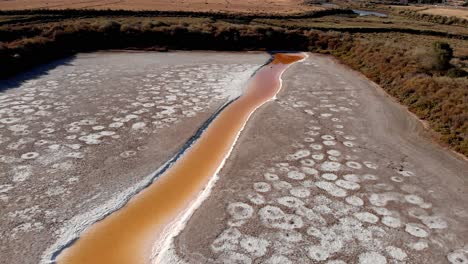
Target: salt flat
x,y
78,140
333,171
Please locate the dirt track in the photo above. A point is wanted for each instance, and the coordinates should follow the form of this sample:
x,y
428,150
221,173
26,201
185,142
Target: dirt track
x,y
334,170
247,6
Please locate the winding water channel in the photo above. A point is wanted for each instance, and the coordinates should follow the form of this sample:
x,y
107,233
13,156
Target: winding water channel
x,y
129,234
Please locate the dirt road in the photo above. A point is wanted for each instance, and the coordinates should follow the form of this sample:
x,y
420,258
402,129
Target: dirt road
x,y
336,172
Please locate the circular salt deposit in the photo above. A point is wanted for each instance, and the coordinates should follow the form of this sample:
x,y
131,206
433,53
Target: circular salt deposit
x,y
300,192
348,185
296,175
334,153
391,221
331,188
308,162
270,176
256,247
317,253
309,170
366,217
372,258
30,155
354,165
261,187
396,253
416,230
240,210
354,200
329,176
330,166
256,198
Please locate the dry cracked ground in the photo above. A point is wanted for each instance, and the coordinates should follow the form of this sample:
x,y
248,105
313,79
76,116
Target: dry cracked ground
x,y
333,171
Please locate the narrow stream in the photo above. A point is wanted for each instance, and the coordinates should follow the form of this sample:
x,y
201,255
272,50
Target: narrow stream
x,y
128,235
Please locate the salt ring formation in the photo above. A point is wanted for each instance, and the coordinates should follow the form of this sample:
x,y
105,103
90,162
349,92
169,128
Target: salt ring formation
x,y
217,157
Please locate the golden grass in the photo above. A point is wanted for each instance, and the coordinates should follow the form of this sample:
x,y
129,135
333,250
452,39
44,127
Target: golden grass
x,y
453,12
238,6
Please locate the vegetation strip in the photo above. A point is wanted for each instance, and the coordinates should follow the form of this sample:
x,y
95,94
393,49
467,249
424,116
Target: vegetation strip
x,y
413,68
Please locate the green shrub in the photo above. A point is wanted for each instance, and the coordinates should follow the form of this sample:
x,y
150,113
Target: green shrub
x,y
442,53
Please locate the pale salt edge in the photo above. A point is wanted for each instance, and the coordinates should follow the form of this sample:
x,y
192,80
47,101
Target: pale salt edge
x,y
163,251
73,228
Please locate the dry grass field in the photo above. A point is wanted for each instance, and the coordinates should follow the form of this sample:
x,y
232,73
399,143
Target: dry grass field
x,y
459,12
454,12
245,6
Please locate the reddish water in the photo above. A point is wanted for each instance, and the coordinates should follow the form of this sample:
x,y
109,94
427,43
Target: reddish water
x,y
127,235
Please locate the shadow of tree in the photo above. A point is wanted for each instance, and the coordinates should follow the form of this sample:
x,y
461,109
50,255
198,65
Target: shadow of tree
x,y
36,72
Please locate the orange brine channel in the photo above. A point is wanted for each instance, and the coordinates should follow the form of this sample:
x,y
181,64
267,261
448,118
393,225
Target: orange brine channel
x,y
128,235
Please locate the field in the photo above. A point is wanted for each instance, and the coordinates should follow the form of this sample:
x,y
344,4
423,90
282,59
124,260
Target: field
x,y
243,6
459,12
156,126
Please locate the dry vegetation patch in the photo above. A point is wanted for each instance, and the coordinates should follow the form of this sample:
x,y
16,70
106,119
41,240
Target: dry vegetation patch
x,y
243,6
454,12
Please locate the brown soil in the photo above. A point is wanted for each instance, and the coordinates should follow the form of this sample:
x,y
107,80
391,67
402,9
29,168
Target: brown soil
x,y
245,6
